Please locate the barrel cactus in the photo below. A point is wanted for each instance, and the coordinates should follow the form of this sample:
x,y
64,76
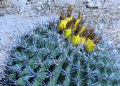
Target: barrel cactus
x,y
45,58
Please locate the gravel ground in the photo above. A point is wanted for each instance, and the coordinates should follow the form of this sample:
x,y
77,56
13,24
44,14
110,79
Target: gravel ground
x,y
20,17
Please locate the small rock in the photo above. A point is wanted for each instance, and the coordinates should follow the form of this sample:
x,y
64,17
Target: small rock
x,y
94,4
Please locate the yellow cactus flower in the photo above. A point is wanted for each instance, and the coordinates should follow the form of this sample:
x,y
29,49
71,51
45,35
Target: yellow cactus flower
x,y
82,30
76,23
62,24
69,18
82,41
67,32
89,45
65,20
75,39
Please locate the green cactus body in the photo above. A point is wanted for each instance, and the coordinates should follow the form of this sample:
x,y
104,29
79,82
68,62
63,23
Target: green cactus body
x,y
46,59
